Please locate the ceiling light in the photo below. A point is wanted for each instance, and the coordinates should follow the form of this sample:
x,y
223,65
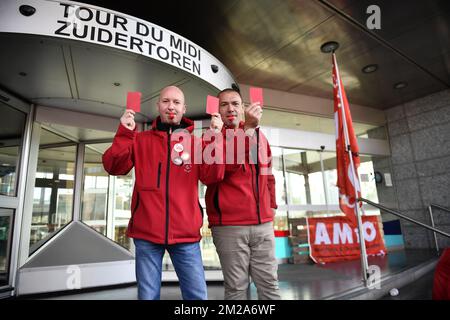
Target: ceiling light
x,y
330,46
400,85
370,68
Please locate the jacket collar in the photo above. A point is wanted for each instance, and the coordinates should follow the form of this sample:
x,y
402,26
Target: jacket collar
x,y
185,123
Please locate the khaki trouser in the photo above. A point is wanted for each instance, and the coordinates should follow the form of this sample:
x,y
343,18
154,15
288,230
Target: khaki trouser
x,y
246,251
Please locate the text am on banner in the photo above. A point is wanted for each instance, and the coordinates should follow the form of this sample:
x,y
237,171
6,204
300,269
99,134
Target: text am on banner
x,y
335,239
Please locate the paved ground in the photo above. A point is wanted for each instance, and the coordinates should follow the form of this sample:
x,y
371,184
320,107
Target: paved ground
x,y
421,289
297,282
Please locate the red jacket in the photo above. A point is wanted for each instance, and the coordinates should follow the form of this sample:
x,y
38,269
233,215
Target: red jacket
x,y
441,281
165,207
246,195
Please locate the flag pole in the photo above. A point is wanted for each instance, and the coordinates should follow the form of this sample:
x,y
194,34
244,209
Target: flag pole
x,y
362,243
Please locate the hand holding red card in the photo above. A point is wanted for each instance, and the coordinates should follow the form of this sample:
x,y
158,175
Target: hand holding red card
x,y
212,105
256,95
134,101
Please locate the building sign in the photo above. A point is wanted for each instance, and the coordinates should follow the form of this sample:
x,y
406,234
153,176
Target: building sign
x,y
334,239
82,22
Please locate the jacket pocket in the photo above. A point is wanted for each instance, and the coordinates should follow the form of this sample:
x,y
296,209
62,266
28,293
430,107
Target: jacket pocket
x,y
216,205
133,211
159,175
150,178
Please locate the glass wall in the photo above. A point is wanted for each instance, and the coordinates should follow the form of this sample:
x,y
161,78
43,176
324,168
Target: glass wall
x,y
54,188
12,125
12,128
95,190
106,200
281,217
210,258
313,123
309,181
6,219
123,188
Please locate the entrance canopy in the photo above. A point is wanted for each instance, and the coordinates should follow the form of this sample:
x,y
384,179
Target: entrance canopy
x,y
86,58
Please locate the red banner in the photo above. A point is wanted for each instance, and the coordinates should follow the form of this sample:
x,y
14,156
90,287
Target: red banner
x,y
335,239
347,180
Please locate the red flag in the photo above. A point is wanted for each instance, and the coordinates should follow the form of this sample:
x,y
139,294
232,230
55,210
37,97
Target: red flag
x,y
345,135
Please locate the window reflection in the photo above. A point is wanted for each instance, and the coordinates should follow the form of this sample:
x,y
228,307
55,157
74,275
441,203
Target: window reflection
x,y
5,243
366,175
304,177
123,188
95,190
53,191
12,124
280,221
310,179
94,200
277,171
106,199
313,123
210,258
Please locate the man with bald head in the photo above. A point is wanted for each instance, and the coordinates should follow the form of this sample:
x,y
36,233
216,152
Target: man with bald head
x,y
165,212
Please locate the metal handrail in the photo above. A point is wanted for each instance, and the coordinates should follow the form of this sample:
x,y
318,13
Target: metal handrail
x,y
432,221
400,215
439,207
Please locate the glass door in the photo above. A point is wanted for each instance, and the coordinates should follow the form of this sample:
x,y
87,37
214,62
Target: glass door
x,y
12,128
106,200
6,221
54,188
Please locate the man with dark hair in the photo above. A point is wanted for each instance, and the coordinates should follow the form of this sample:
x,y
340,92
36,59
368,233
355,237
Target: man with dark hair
x,y
242,206
166,214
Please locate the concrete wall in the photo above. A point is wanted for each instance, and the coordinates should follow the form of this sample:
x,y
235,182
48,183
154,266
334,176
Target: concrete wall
x,y
419,134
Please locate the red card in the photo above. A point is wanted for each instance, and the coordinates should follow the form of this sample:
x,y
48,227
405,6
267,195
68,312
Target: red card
x,y
212,105
256,95
134,101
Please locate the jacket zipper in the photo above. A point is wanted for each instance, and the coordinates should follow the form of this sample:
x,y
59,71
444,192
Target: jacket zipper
x,y
167,186
256,192
257,176
159,175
